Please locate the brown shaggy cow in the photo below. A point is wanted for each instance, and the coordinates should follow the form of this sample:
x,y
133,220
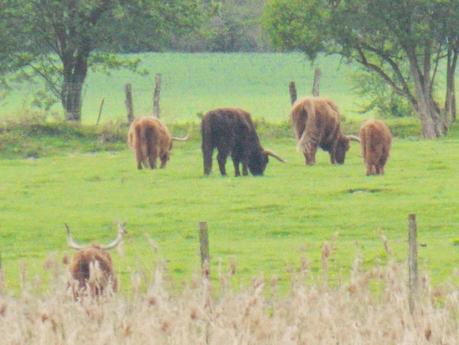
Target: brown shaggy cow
x,y
150,139
316,122
233,133
91,266
376,140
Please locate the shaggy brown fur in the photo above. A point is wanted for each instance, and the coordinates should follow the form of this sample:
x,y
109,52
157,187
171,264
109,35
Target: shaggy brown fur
x,y
376,140
316,122
92,267
150,139
232,132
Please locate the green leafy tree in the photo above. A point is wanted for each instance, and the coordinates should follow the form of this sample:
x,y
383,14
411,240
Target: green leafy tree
x,y
59,41
381,36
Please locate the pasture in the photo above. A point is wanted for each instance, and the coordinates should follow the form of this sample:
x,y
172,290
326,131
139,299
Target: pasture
x,y
266,225
195,83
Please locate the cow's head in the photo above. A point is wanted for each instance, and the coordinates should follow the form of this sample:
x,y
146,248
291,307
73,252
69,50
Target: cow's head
x,y
259,159
342,146
91,266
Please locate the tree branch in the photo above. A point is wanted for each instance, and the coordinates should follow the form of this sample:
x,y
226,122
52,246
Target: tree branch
x,y
404,89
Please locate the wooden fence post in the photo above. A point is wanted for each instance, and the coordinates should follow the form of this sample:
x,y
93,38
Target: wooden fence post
x,y
316,84
101,107
156,96
412,260
129,103
292,91
204,246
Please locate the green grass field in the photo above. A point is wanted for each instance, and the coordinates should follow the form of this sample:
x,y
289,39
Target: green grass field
x,y
265,224
195,83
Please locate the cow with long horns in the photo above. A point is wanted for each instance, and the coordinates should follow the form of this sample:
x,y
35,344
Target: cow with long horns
x,y
150,139
317,123
376,140
91,266
232,132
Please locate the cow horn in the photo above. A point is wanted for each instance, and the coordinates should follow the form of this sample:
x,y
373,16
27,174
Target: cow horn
x,y
185,138
353,137
272,154
121,232
71,243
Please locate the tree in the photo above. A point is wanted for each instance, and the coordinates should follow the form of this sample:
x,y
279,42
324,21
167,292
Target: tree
x,y
60,40
381,36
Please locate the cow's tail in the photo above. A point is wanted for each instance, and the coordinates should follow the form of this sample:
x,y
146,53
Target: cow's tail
x,y
149,144
365,142
308,114
138,143
206,145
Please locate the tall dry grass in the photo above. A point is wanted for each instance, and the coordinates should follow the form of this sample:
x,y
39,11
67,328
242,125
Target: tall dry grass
x,y
368,307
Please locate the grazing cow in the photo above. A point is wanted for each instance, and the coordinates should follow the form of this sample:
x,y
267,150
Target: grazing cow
x,y
91,266
233,133
376,140
150,139
316,122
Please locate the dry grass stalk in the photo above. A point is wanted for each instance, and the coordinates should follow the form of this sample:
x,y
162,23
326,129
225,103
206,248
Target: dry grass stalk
x,y
351,313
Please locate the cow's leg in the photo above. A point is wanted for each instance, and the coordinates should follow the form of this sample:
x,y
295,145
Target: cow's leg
x,y
374,169
221,158
164,158
245,172
236,166
152,156
310,154
332,157
139,158
382,161
207,152
369,169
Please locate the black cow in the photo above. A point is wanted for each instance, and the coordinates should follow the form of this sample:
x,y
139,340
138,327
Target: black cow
x,y
233,133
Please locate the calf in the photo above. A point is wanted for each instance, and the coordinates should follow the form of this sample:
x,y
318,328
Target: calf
x,y
150,139
376,140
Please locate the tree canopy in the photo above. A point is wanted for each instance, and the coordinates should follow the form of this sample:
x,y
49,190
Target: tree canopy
x,y
404,42
59,41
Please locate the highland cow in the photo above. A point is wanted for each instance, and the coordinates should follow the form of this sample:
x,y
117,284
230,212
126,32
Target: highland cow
x,y
233,133
376,140
91,266
150,139
317,123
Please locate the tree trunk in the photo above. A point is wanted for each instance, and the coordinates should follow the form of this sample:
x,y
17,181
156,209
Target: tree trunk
x,y
432,121
71,100
75,71
450,99
316,83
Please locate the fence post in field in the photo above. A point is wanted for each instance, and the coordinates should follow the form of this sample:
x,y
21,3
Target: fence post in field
x,y
292,91
204,247
156,96
101,107
316,84
412,261
129,103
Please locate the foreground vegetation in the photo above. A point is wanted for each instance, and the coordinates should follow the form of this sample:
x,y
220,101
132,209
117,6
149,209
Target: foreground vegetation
x,y
86,177
310,313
